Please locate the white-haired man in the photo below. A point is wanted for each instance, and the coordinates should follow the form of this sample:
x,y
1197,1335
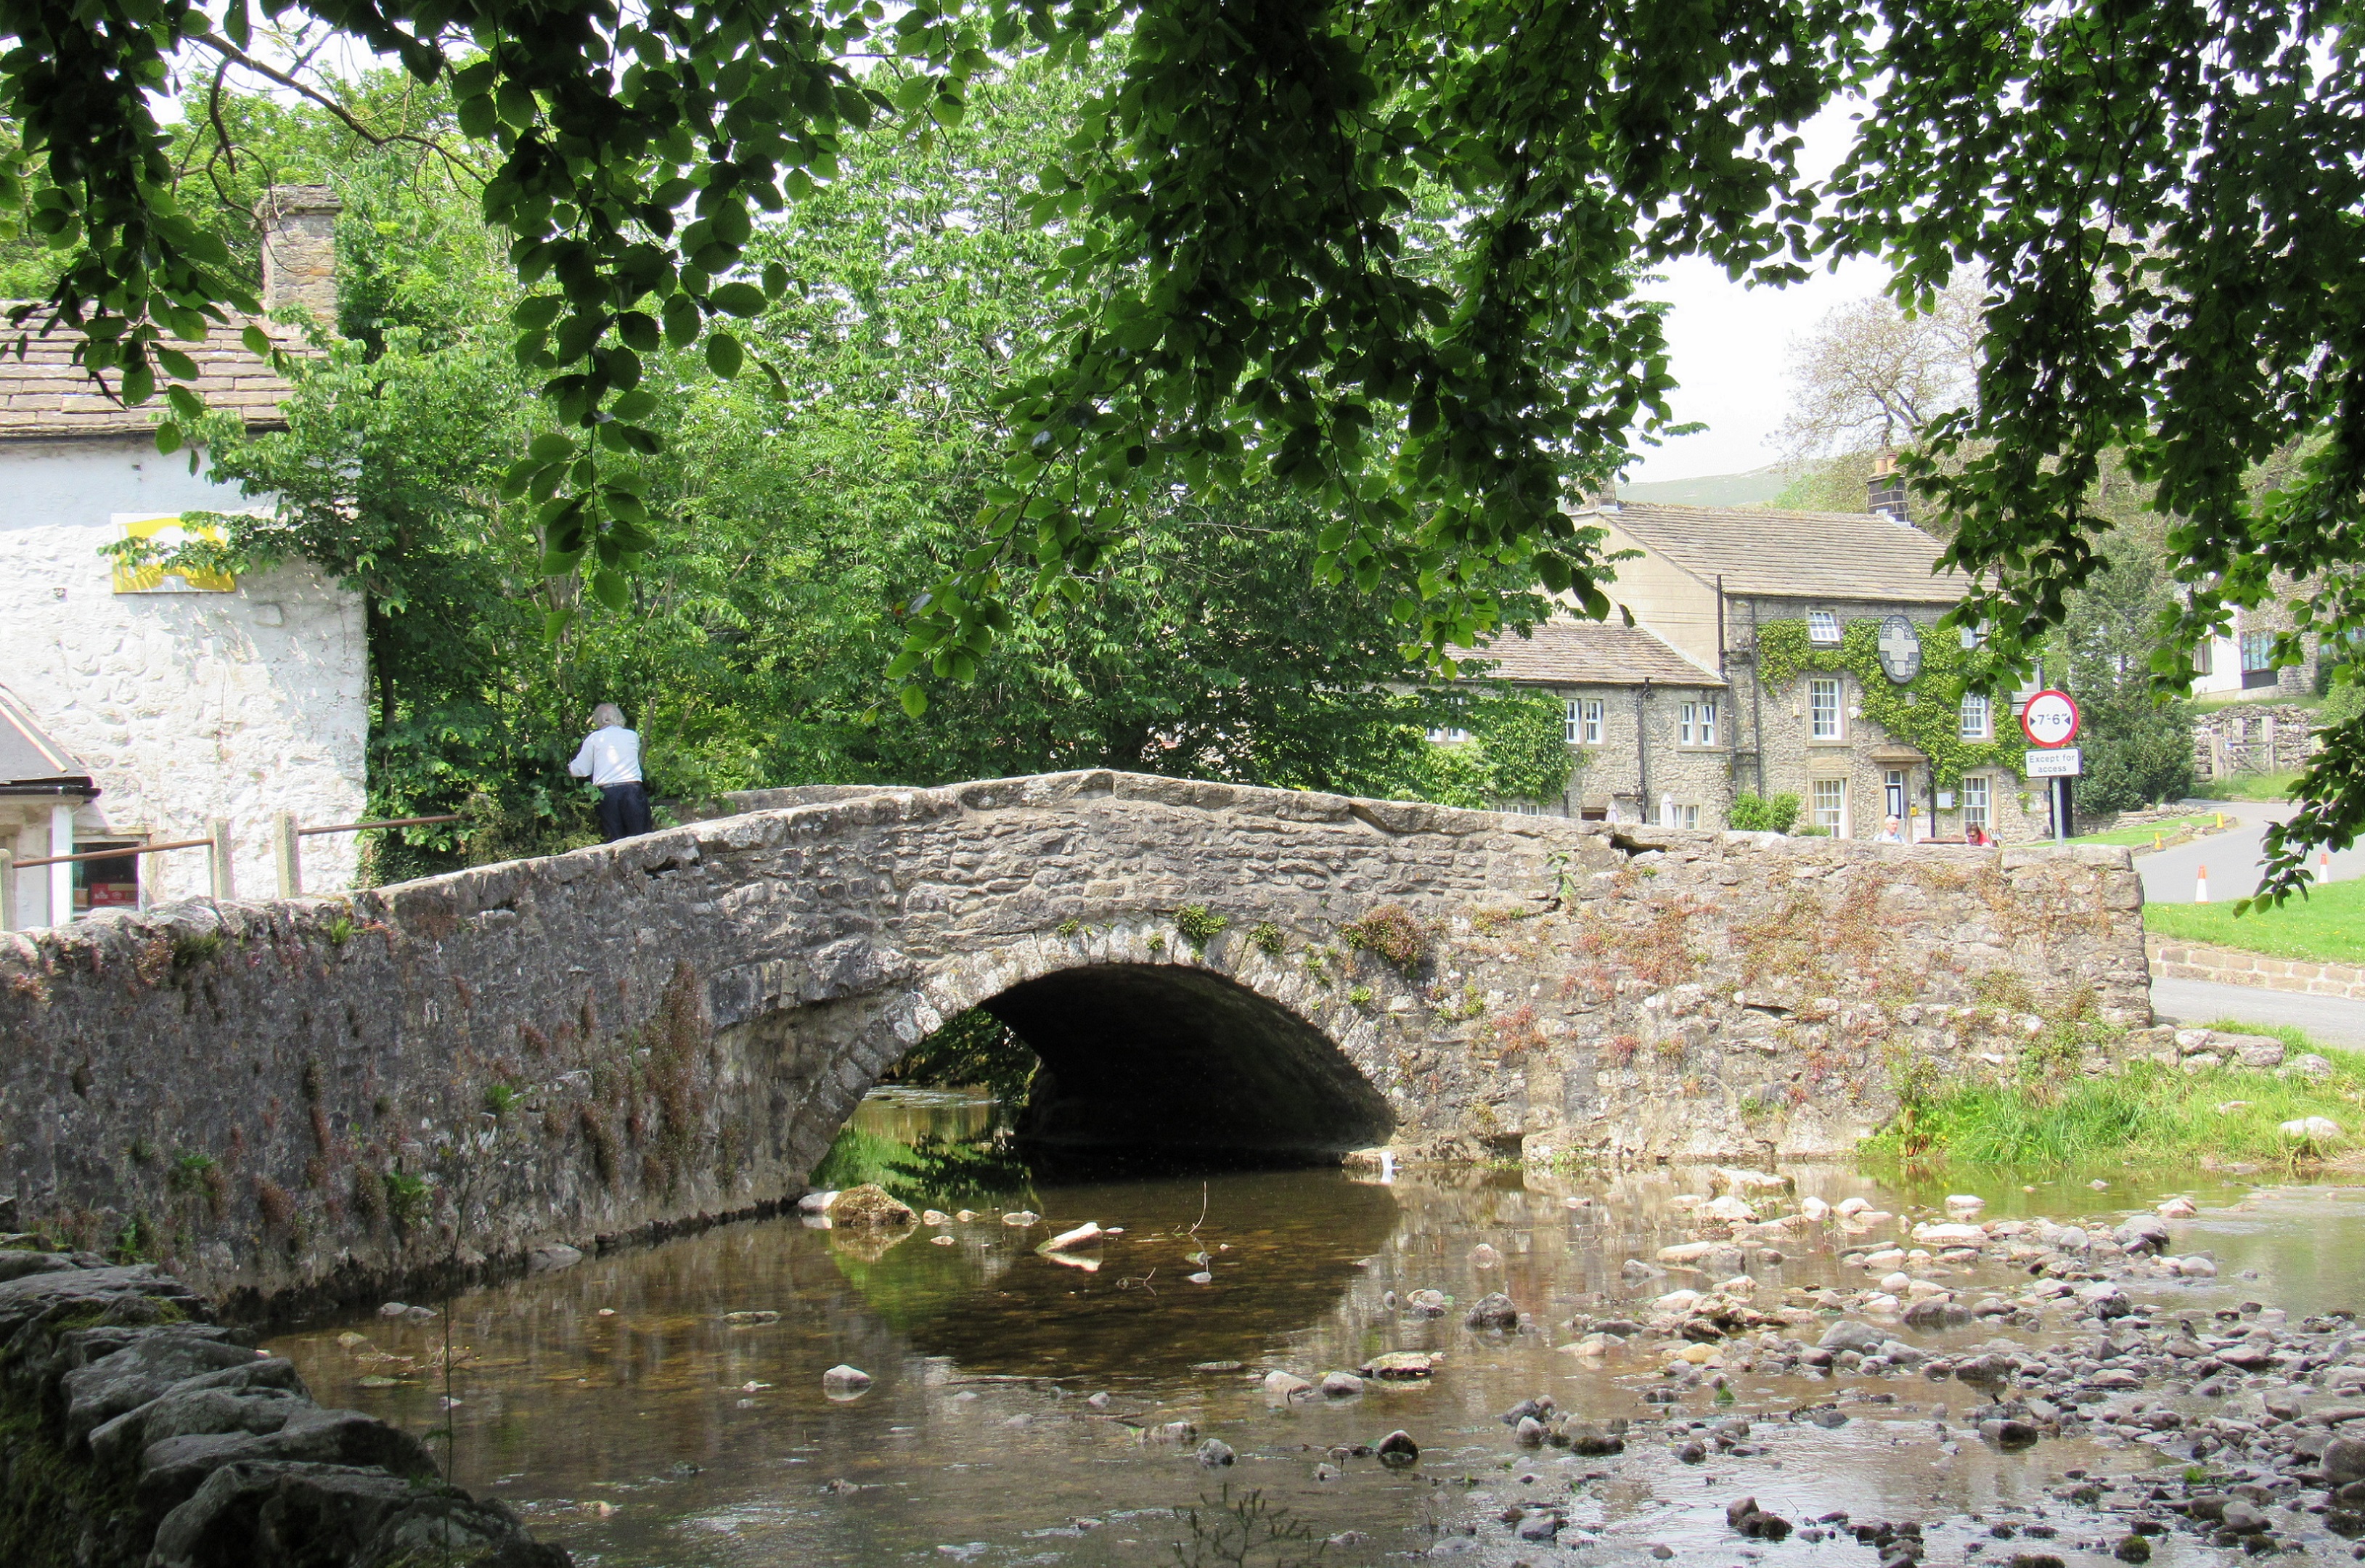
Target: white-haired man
x,y
610,759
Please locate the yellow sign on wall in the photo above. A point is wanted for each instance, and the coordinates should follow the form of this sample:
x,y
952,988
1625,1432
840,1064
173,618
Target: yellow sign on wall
x,y
160,534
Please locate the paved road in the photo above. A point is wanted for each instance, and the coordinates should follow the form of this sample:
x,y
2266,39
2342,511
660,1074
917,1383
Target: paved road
x,y
2232,856
2327,1019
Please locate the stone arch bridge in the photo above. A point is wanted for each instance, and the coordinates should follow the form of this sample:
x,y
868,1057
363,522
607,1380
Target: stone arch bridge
x,y
327,1095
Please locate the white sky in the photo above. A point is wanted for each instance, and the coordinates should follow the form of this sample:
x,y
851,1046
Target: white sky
x,y
1729,346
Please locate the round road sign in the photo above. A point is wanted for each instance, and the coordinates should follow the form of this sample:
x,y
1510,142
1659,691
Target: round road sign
x,y
2050,719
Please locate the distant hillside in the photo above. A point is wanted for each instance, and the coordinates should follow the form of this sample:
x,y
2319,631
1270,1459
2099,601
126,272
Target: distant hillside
x,y
1757,487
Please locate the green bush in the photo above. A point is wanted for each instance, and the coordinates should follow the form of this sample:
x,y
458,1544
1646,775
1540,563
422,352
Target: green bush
x,y
1751,814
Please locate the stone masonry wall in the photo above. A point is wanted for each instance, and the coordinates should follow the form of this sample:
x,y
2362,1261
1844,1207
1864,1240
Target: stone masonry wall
x,y
326,1097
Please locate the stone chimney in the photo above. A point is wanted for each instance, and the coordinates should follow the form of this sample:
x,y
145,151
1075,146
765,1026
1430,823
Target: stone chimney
x,y
1886,489
300,249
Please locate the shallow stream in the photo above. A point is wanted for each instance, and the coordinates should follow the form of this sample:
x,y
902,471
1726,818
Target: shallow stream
x,y
1015,1396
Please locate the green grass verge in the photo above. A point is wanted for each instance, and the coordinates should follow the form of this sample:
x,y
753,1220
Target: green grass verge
x,y
2249,787
2146,1114
2142,837
2327,926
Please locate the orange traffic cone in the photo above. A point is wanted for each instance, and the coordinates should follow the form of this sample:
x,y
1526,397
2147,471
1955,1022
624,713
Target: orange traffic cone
x,y
2200,887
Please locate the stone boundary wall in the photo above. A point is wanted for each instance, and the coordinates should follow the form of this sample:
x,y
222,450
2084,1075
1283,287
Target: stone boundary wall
x,y
331,1099
133,1429
2175,959
2253,737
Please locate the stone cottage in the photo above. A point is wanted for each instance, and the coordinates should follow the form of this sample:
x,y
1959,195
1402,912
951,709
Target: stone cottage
x,y
163,702
1652,730
1841,688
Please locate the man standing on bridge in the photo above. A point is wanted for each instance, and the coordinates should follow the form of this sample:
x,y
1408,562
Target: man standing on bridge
x,y
610,759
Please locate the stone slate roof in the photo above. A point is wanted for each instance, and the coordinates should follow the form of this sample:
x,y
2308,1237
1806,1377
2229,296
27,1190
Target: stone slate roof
x,y
45,395
1796,555
31,762
1590,653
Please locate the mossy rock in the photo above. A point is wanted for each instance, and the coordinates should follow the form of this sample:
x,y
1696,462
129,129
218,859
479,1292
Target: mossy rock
x,y
871,1204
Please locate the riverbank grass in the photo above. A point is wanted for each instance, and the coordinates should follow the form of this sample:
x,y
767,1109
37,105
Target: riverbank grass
x,y
2145,1115
2327,926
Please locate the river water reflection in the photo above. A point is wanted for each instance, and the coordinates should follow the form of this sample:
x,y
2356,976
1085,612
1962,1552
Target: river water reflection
x,y
616,1408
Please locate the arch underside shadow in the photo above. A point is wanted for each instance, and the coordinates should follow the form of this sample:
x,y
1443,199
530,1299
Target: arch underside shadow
x,y
1171,1064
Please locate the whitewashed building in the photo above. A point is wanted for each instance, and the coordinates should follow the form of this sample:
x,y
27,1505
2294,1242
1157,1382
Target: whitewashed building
x,y
138,707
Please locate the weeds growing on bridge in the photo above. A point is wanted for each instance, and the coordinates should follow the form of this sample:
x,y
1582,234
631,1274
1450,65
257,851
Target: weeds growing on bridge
x,y
1199,925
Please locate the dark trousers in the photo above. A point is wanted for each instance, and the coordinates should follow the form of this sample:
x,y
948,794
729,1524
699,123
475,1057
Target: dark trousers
x,y
623,811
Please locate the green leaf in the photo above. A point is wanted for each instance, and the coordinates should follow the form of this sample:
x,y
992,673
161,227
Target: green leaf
x,y
609,587
168,437
723,354
743,299
914,700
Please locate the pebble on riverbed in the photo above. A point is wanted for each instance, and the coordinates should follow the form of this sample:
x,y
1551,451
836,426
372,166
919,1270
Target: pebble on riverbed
x,y
843,1382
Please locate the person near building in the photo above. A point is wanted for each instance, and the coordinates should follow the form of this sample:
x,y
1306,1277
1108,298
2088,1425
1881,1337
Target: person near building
x,y
610,759
1891,832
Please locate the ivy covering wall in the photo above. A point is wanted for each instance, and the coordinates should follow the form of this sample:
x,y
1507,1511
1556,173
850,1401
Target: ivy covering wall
x,y
1925,712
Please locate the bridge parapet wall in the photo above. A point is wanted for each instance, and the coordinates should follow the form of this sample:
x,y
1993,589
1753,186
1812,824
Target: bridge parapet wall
x,y
325,1097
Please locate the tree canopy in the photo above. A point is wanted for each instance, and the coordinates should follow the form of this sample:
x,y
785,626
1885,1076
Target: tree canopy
x,y
751,650
2165,202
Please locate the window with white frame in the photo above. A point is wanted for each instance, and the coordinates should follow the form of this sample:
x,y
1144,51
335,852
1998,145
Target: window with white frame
x,y
1451,732
1977,717
1696,724
2258,651
1830,804
1823,709
1975,800
1524,808
1682,816
1707,724
1975,637
1823,626
1571,723
1584,720
2204,659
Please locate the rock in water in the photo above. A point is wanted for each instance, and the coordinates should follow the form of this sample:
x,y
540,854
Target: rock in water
x,y
2008,1434
1341,1386
1216,1453
1485,1256
1590,1440
843,1382
1754,1522
1283,1387
871,1204
1088,1231
1850,1335
1938,1312
1397,1451
2344,1461
1396,1366
1494,1311
1022,1216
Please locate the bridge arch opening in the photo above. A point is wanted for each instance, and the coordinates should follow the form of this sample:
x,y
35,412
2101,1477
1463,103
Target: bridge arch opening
x,y
1175,1065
